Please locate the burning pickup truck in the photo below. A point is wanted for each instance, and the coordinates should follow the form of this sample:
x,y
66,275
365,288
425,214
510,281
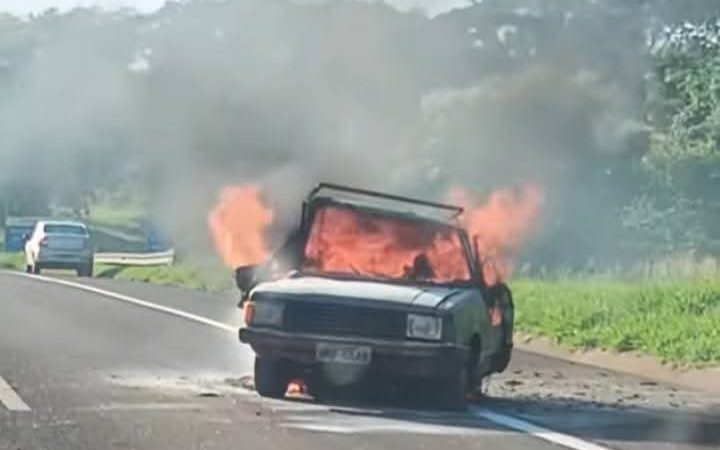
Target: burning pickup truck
x,y
375,286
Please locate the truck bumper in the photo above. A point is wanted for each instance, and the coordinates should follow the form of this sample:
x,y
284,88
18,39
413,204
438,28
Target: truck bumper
x,y
389,357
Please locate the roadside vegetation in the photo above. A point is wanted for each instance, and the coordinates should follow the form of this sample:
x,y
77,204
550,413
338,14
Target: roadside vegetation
x,y
677,321
117,222
13,261
186,275
125,213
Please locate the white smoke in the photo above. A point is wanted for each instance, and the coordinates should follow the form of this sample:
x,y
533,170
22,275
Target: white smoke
x,y
204,93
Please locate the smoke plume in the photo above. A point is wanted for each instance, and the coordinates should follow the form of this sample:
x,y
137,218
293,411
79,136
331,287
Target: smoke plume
x,y
204,94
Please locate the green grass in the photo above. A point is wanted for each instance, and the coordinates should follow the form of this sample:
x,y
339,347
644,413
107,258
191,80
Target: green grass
x,y
676,320
111,214
201,278
13,261
104,241
116,226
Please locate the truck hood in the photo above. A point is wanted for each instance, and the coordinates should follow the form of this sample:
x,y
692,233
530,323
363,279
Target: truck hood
x,y
313,287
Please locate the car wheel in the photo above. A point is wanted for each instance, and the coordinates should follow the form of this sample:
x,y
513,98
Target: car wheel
x,y
270,378
453,392
85,270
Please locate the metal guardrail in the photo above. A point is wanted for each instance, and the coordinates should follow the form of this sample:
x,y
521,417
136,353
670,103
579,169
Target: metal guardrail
x,y
137,259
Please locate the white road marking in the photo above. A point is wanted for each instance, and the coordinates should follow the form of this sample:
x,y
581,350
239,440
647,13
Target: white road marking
x,y
406,422
534,430
494,417
10,398
134,301
435,423
373,426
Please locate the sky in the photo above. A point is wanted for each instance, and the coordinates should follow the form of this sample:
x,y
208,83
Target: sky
x,y
24,7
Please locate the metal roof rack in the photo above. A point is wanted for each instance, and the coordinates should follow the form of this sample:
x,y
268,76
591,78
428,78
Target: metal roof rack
x,y
455,210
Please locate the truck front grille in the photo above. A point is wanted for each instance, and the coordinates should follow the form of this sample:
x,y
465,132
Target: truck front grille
x,y
344,320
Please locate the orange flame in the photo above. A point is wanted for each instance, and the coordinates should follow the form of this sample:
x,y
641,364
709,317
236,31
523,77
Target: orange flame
x,y
296,388
348,241
237,225
354,242
500,226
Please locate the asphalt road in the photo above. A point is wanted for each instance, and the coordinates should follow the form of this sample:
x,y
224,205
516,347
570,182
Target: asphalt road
x,y
81,370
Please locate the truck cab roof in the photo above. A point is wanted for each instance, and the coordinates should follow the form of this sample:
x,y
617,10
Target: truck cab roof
x,y
379,202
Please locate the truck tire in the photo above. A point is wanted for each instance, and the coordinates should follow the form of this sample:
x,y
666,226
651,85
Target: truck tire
x,y
501,360
503,297
270,378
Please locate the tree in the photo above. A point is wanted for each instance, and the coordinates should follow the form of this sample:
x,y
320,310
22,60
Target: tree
x,y
684,98
678,208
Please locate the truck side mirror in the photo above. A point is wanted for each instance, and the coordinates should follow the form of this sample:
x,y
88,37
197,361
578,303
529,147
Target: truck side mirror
x,y
245,277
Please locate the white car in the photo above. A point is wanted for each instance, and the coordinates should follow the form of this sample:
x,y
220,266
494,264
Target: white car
x,y
59,245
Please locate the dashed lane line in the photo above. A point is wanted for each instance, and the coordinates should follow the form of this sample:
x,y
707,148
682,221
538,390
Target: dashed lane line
x,y
10,398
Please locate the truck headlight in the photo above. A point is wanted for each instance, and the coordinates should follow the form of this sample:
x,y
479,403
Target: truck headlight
x,y
268,313
422,326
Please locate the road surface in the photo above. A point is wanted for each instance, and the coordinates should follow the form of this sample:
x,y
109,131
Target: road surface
x,y
160,368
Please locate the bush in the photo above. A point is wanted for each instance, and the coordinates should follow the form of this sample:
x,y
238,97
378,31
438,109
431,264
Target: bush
x,y
677,321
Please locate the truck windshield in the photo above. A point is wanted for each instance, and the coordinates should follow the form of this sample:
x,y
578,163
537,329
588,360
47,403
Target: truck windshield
x,y
348,241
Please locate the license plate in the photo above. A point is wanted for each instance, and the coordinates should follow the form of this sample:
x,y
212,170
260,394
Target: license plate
x,y
343,354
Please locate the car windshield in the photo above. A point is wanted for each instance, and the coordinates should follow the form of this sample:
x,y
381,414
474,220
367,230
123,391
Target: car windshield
x,y
65,229
359,243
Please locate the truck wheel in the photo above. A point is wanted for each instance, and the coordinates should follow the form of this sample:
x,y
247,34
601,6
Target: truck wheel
x,y
503,297
270,379
453,392
502,358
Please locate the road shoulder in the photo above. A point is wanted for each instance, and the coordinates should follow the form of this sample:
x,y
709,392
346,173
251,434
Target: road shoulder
x,y
628,363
